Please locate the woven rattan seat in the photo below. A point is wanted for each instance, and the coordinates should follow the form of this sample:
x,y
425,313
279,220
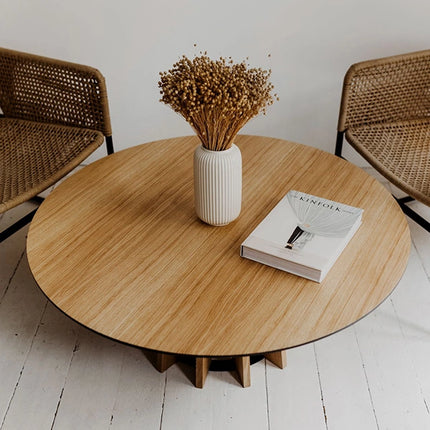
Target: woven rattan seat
x,y
55,114
34,156
385,116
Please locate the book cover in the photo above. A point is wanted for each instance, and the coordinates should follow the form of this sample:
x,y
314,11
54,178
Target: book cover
x,y
303,235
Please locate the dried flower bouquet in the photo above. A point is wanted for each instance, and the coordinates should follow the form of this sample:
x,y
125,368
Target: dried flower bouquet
x,y
216,97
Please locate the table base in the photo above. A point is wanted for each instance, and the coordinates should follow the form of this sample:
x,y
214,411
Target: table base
x,y
202,365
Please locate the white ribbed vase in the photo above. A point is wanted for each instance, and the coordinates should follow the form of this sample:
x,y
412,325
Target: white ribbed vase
x,y
217,184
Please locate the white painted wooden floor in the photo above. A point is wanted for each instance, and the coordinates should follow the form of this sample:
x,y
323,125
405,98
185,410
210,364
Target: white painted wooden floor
x,y
55,374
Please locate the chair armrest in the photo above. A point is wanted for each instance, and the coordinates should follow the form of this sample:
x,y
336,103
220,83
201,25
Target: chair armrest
x,y
386,90
42,89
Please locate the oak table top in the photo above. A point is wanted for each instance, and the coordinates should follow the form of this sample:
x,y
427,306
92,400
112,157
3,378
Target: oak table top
x,y
118,248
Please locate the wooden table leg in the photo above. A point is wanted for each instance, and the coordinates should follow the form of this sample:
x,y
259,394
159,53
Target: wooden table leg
x,y
243,367
161,361
279,358
202,369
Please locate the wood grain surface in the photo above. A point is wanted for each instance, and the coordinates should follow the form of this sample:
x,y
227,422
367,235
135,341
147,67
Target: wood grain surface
x,y
118,248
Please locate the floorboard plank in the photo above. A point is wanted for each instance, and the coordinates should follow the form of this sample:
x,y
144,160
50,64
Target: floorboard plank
x,y
44,374
221,405
92,383
21,311
412,307
343,381
13,248
391,374
294,395
139,400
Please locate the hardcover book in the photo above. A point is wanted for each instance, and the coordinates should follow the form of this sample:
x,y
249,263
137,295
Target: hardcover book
x,y
303,235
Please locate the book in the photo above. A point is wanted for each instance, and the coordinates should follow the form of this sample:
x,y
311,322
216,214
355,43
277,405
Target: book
x,y
303,234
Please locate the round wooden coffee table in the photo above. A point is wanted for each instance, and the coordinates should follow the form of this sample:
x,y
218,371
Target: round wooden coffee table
x,y
118,248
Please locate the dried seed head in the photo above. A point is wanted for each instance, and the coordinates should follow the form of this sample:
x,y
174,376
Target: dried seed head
x,y
216,97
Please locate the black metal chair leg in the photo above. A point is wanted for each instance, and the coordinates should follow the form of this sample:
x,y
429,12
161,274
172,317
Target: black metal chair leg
x,y
37,199
21,222
339,144
406,199
17,226
109,145
413,215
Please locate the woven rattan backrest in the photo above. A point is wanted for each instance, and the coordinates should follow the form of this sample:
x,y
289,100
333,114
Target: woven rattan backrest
x,y
46,90
386,90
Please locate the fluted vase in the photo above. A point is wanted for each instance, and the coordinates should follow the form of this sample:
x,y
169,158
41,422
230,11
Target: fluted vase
x,y
217,185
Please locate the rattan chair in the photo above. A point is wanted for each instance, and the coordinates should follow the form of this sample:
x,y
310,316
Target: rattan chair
x,y
53,115
385,116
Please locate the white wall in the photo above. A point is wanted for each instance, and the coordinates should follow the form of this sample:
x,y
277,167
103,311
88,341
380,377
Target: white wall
x,y
311,42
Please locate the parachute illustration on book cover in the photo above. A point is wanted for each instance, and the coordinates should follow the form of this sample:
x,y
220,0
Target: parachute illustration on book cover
x,y
318,216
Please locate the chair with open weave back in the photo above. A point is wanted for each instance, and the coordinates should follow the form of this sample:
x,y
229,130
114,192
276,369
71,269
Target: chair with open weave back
x,y
55,114
385,116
